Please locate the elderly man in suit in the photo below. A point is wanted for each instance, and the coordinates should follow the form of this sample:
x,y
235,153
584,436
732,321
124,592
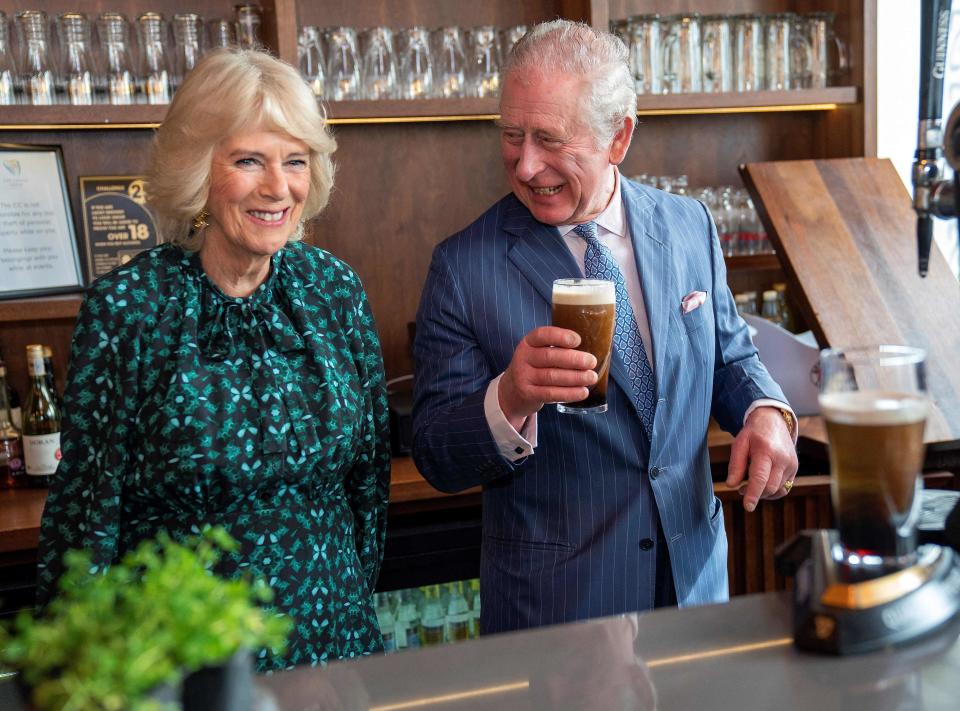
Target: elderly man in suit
x,y
587,515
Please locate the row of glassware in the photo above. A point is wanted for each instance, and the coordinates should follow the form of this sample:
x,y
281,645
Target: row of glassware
x,y
74,60
722,53
429,615
376,63
738,225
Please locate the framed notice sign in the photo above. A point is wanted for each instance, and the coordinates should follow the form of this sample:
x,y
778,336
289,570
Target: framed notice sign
x,y
116,225
38,245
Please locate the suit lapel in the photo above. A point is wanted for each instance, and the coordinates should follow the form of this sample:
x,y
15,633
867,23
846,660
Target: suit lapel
x,y
538,251
652,252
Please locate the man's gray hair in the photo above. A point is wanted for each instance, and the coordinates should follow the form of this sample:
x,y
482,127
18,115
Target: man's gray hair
x,y
575,48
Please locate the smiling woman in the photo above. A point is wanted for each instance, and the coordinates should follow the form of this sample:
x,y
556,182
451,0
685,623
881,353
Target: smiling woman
x,y
233,375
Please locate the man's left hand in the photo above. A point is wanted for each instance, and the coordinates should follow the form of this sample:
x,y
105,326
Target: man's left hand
x,y
765,444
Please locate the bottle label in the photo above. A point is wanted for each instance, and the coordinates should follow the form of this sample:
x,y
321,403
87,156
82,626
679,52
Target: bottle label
x,y
42,453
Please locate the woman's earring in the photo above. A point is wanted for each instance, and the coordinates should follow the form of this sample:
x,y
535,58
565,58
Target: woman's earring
x,y
200,221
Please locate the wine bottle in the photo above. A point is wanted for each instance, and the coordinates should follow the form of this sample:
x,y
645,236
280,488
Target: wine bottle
x,y
11,451
51,378
41,423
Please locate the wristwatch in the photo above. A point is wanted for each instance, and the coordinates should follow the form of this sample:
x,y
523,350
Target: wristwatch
x,y
789,419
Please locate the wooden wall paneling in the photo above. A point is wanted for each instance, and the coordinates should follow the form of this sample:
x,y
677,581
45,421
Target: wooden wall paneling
x,y
400,189
279,30
708,148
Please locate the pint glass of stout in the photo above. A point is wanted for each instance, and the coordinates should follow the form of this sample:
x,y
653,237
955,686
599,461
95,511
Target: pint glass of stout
x,y
875,406
588,306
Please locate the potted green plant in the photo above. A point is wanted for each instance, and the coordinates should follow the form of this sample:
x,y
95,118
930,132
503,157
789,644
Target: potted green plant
x,y
117,639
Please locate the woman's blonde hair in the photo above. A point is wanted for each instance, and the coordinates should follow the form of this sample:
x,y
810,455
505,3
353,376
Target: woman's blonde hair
x,y
229,91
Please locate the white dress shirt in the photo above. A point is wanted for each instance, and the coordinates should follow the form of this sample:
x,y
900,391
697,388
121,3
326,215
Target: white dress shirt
x,y
614,233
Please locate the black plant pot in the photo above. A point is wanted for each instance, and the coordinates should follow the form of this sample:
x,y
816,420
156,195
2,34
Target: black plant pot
x,y
225,687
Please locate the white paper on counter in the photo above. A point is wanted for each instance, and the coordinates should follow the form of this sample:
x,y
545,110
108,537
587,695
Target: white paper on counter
x,y
790,360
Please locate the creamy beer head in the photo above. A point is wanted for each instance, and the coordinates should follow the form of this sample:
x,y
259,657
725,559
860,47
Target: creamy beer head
x,y
873,408
583,292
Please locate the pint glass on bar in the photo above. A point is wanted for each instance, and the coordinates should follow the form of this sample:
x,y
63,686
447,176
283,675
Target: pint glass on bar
x,y
875,406
588,306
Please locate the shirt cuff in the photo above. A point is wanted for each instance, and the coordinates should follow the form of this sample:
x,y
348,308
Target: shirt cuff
x,y
513,445
767,402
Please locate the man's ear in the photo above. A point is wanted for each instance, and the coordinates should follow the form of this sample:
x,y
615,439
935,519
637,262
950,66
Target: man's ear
x,y
621,141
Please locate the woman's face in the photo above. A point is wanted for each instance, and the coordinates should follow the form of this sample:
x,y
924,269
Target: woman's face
x,y
259,182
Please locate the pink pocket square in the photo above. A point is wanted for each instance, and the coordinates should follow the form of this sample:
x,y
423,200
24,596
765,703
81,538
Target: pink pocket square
x,y
693,300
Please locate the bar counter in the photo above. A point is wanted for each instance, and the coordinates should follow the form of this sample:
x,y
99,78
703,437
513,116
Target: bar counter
x,y
737,656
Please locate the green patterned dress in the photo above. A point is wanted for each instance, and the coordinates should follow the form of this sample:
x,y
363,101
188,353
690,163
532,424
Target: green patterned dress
x,y
265,414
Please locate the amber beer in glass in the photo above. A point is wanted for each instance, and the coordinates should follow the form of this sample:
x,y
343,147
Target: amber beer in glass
x,y
875,406
588,306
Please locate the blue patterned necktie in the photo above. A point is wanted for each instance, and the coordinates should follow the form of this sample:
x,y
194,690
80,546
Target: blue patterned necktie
x,y
598,263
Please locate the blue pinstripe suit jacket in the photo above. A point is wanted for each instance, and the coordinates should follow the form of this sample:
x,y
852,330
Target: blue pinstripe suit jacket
x,y
562,528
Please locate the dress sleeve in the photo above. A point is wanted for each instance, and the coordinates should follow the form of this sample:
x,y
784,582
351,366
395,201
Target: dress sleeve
x,y
368,483
83,507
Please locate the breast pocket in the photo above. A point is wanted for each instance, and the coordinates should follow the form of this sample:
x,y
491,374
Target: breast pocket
x,y
694,320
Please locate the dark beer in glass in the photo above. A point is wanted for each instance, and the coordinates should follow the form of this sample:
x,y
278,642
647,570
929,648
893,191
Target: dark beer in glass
x,y
588,306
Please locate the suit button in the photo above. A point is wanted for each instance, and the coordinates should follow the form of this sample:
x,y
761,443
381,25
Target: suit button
x,y
646,544
654,472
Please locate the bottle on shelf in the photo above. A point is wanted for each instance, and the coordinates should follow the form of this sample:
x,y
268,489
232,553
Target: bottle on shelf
x,y
387,622
11,450
771,307
13,396
789,321
51,378
408,619
432,617
458,613
41,423
746,303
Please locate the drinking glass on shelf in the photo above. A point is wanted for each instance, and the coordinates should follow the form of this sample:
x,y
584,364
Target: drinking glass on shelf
x,y
187,44
450,66
824,42
644,34
785,51
8,68
748,50
485,61
416,65
310,55
154,69
343,69
682,63
220,34
114,35
248,26
717,53
76,62
510,36
36,65
379,65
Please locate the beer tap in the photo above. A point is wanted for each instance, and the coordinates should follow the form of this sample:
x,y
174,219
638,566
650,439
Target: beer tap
x,y
933,195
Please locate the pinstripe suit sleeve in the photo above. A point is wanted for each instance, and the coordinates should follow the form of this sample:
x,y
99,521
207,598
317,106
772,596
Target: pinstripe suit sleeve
x,y
453,446
739,377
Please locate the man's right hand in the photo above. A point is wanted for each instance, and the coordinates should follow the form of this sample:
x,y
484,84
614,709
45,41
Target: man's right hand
x,y
545,368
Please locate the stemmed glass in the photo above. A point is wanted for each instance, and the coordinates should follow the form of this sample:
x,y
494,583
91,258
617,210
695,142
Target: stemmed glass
x,y
76,68
343,69
451,63
8,69
310,54
188,44
416,67
485,61
154,70
113,31
379,65
36,64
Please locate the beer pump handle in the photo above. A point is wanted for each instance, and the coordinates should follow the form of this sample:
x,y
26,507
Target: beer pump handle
x,y
927,164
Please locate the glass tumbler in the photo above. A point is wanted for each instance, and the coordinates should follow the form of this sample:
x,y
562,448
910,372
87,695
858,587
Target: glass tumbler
x,y
36,66
114,34
380,65
682,62
8,68
829,56
220,34
416,64
76,61
343,68
154,69
310,55
748,60
485,61
785,51
248,26
187,44
450,64
717,53
510,36
644,32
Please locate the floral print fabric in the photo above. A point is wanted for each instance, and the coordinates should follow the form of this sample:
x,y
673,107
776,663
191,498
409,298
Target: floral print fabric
x,y
265,414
